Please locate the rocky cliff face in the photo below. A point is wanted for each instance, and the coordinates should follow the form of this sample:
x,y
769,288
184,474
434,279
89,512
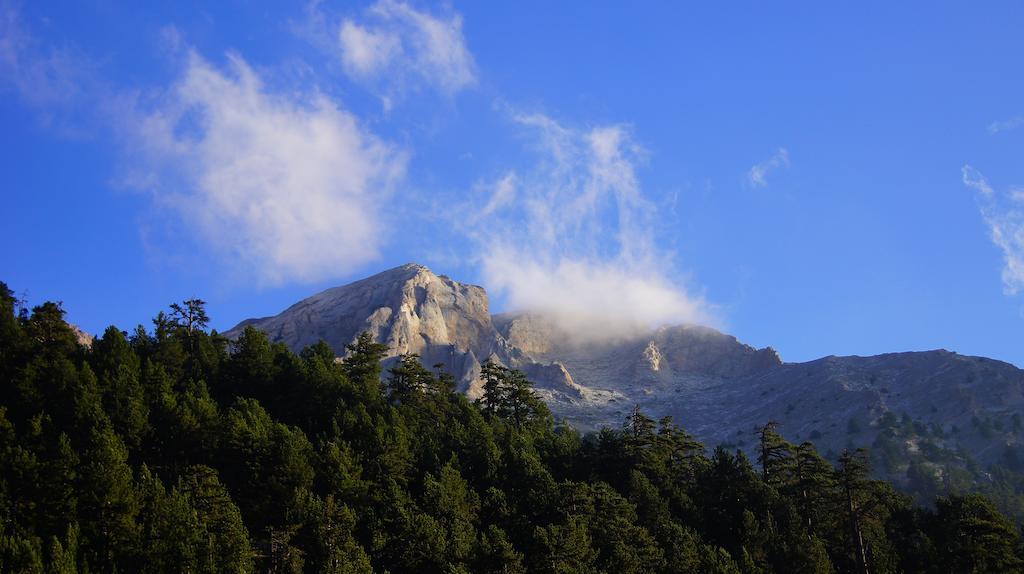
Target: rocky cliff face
x,y
411,310
84,339
714,385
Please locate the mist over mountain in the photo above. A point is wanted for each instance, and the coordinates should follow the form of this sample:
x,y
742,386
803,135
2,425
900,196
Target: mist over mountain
x,y
938,411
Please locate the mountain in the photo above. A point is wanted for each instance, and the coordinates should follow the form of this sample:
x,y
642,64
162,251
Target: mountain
x,y
939,410
411,310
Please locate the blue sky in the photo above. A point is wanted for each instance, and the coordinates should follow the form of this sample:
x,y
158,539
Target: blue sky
x,y
827,179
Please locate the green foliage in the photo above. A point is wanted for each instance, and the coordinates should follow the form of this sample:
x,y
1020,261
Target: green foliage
x,y
176,450
973,537
508,395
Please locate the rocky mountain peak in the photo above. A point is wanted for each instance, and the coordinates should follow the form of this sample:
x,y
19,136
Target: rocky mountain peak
x,y
411,310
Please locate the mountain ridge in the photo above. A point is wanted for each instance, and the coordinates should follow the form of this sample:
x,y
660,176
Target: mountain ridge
x,y
713,384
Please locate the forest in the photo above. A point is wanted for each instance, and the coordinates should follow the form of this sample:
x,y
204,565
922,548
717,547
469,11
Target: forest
x,y
174,449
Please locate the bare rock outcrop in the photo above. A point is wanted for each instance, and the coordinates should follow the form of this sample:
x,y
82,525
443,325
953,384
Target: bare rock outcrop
x,y
411,310
84,339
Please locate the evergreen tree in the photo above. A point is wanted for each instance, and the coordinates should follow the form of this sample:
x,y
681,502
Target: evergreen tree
x,y
973,537
108,503
564,549
170,534
119,458
813,482
773,455
408,379
330,539
449,499
508,394
362,367
492,376
856,491
64,556
224,541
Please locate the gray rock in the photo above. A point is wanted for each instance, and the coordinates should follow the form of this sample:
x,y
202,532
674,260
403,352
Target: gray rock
x,y
83,338
411,310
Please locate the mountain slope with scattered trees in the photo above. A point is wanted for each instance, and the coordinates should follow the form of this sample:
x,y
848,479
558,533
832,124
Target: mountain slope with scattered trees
x,y
174,449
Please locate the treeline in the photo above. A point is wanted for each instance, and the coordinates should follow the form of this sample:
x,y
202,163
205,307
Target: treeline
x,y
176,450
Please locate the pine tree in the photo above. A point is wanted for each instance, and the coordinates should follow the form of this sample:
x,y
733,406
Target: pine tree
x,y
56,485
21,553
330,539
226,547
171,537
622,545
408,380
973,537
853,479
773,455
497,555
683,455
118,370
508,394
564,549
49,333
813,482
64,556
493,400
362,367
10,337
448,498
108,502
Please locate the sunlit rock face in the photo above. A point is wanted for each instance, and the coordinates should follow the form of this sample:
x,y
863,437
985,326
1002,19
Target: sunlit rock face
x,y
408,308
712,384
411,310
84,339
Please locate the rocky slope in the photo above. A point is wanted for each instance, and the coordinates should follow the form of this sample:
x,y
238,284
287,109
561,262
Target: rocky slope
x,y
959,410
411,310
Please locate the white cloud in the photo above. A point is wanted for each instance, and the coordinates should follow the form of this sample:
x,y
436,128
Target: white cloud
x,y
503,192
45,76
1005,219
397,45
289,187
591,299
574,241
973,179
1005,125
758,173
364,51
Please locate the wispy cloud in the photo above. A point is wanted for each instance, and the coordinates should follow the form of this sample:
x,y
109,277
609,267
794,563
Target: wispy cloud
x,y
55,80
280,185
288,186
364,51
502,193
574,239
1006,125
758,174
395,46
974,179
1004,215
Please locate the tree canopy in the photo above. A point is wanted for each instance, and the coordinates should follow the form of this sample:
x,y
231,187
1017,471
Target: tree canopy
x,y
175,449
